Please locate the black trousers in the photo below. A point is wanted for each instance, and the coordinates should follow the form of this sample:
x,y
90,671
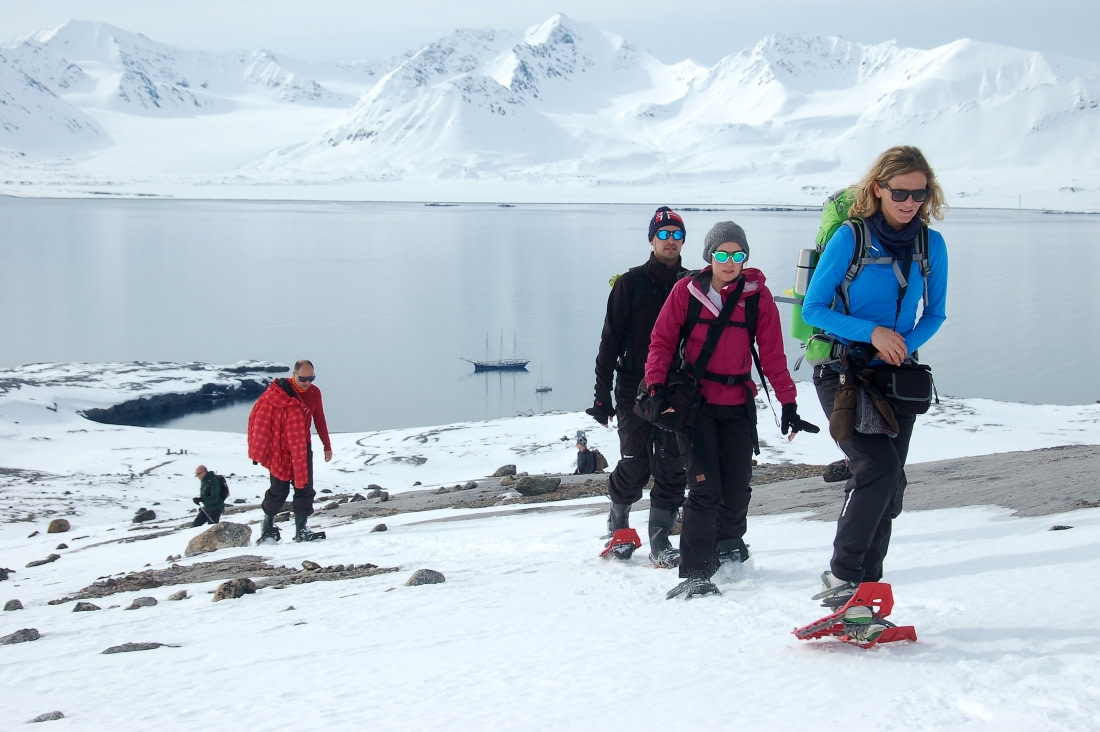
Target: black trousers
x,y
203,518
873,496
279,490
645,450
719,467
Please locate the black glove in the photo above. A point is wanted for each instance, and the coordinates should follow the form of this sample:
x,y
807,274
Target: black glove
x,y
195,500
658,399
791,422
601,410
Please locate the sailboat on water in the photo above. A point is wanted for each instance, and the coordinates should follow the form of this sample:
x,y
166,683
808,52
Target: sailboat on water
x,y
501,364
542,388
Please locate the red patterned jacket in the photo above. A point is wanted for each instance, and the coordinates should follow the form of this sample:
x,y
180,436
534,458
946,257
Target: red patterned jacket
x,y
278,433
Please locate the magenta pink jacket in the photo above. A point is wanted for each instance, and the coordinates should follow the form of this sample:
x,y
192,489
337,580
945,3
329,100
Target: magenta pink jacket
x,y
732,355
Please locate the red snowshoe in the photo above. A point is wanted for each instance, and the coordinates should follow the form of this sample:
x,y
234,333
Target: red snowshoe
x,y
622,544
879,597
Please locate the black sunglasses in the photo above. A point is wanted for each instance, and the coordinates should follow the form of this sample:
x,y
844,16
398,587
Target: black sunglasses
x,y
306,378
900,194
676,234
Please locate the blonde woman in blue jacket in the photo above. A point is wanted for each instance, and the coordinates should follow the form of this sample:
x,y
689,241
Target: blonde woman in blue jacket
x,y
896,199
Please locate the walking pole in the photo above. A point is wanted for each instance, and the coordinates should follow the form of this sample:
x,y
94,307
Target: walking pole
x,y
208,516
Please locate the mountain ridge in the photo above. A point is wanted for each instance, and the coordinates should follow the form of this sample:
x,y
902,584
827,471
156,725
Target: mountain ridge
x,y
563,102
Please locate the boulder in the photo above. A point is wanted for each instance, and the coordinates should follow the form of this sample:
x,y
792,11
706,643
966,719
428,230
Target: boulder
x,y
219,536
537,485
85,607
20,636
13,605
58,526
142,602
128,647
47,560
504,470
143,515
234,588
425,577
48,717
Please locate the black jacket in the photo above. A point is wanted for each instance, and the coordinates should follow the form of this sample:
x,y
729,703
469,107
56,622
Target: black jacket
x,y
631,312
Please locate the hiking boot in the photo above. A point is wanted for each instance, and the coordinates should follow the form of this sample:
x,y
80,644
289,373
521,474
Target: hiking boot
x,y
667,558
302,533
861,625
837,472
661,551
269,533
694,587
618,518
835,592
733,551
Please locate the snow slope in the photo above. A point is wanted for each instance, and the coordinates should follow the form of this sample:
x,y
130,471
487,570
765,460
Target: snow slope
x,y
530,630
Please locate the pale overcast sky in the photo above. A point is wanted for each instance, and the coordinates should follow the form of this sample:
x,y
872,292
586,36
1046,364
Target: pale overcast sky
x,y
702,30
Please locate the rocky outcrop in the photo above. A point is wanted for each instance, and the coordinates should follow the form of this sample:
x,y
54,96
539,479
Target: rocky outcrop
x,y
219,536
151,409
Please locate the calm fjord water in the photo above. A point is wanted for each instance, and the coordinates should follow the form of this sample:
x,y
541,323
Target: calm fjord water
x,y
386,297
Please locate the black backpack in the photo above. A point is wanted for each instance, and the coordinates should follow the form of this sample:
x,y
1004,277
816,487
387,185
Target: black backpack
x,y
225,487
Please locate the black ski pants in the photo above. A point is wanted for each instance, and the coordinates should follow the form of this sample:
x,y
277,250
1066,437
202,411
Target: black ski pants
x,y
873,496
719,466
207,517
279,490
645,450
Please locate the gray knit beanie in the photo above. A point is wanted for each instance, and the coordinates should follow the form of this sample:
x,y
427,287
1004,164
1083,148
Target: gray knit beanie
x,y
719,234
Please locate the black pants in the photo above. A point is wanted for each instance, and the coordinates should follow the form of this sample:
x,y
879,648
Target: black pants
x,y
203,517
719,466
873,496
280,489
645,451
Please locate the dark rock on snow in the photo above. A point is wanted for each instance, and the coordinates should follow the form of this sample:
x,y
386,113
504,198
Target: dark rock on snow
x,y
425,577
20,636
58,526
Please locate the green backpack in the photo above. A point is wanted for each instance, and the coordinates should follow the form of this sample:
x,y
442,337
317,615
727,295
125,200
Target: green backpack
x,y
836,213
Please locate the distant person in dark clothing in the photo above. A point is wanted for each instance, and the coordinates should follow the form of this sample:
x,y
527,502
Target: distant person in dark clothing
x,y
210,501
279,439
586,459
632,307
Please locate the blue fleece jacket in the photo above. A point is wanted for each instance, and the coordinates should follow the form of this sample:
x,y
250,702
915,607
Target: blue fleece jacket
x,y
874,293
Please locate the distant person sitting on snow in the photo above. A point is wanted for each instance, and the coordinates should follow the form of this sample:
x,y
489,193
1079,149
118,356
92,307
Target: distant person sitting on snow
x,y
210,501
586,459
888,315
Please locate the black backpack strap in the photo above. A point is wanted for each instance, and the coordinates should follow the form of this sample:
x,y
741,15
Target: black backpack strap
x,y
714,332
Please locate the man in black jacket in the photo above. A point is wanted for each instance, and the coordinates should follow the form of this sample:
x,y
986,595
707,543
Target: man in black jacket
x,y
632,307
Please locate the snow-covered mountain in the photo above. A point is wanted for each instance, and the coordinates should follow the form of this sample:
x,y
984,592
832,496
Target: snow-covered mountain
x,y
564,103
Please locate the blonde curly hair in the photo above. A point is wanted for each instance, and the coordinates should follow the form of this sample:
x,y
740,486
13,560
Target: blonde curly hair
x,y
898,160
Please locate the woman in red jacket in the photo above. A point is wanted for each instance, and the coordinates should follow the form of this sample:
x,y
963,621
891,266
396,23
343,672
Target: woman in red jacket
x,y
723,435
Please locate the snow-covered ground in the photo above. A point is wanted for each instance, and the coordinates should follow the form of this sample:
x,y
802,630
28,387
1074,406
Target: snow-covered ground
x,y
530,630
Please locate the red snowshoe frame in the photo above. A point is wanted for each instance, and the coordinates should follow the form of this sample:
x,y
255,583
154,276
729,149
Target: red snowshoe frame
x,y
622,537
880,598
